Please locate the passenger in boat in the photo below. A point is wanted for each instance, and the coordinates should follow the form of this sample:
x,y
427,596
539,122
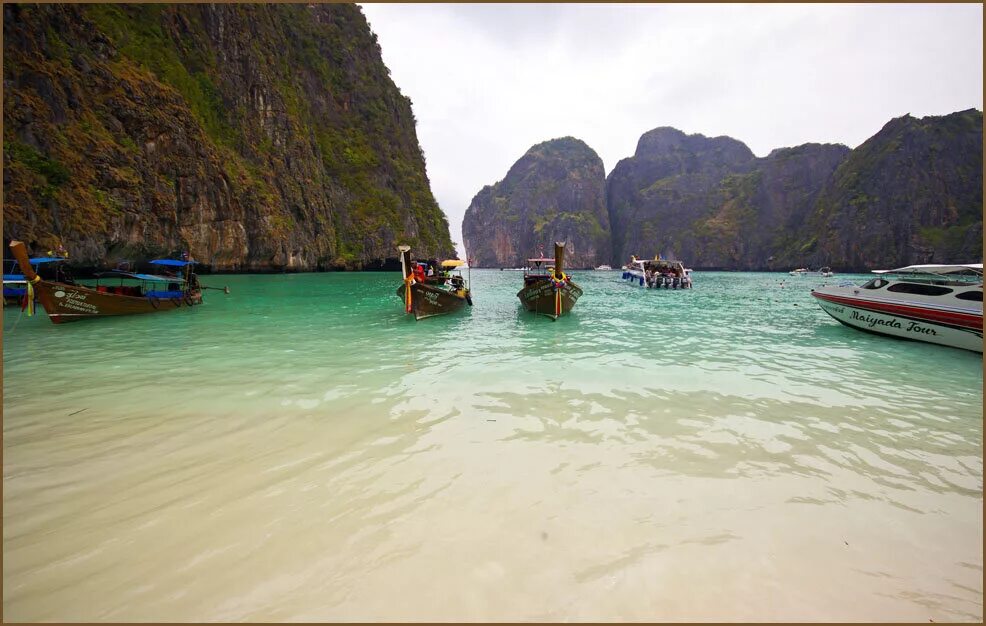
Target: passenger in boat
x,y
419,273
458,285
62,274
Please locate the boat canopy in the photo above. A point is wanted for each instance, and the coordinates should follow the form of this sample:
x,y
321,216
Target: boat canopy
x,y
972,268
453,263
171,262
147,277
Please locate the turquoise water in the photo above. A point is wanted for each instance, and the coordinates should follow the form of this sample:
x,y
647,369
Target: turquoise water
x,y
302,450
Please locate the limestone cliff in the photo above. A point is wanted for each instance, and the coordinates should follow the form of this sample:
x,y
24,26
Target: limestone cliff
x,y
672,180
555,192
256,136
912,193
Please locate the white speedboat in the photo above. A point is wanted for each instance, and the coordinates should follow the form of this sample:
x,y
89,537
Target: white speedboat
x,y
658,273
940,304
603,268
825,272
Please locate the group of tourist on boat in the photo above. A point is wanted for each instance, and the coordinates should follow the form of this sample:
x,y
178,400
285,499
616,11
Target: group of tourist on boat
x,y
431,287
657,273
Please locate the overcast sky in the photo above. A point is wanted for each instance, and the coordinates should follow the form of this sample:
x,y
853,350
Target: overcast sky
x,y
488,81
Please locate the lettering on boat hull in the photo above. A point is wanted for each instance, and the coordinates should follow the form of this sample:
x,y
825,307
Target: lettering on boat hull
x,y
904,327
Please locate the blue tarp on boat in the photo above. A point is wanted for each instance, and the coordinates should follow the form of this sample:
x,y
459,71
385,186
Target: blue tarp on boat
x,y
148,277
164,294
172,262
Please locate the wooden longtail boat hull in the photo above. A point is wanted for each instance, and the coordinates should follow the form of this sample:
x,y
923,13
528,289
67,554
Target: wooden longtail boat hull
x,y
428,301
64,302
540,297
71,303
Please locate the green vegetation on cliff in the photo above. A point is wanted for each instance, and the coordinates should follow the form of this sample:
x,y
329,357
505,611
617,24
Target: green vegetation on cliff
x,y
555,192
259,136
912,193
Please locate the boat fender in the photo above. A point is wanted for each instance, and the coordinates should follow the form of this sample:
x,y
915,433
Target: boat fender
x,y
641,281
177,302
469,299
188,299
153,301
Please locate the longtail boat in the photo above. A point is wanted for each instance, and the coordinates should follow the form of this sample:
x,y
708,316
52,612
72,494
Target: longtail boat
x,y
548,290
149,293
426,296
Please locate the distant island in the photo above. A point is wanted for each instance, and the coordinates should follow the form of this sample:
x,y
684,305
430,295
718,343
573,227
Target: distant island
x,y
912,193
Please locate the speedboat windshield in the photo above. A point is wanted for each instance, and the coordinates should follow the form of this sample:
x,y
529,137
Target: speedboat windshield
x,y
972,269
937,274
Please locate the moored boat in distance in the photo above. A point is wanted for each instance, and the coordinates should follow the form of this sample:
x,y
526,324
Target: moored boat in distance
x,y
657,273
427,296
941,304
547,289
603,268
824,272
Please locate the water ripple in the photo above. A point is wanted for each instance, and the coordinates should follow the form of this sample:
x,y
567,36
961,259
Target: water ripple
x,y
285,452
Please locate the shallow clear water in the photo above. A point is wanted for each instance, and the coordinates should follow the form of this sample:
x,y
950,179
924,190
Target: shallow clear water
x,y
300,450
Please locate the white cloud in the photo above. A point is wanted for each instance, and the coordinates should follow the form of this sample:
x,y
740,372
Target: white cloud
x,y
489,81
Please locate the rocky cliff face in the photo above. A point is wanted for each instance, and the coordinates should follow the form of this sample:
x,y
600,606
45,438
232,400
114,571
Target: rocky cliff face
x,y
555,192
255,136
757,220
912,193
656,196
